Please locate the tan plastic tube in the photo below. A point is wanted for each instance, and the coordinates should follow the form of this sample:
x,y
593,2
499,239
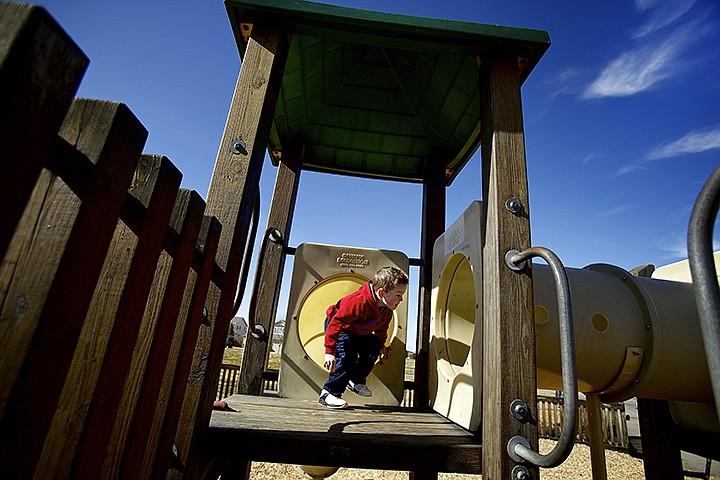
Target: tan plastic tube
x,y
634,336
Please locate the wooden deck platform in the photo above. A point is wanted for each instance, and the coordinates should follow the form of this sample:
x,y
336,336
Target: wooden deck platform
x,y
282,430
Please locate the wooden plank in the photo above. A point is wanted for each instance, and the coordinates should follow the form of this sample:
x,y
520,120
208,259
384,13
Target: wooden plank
x,y
110,135
507,328
165,427
82,379
271,267
433,225
162,362
32,102
231,198
286,430
156,183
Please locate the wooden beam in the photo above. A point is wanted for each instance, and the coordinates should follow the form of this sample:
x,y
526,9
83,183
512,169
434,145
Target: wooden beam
x,y
271,268
433,225
508,328
231,197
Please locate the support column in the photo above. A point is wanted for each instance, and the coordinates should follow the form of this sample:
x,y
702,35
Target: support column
x,y
433,225
597,445
508,330
231,198
271,268
662,459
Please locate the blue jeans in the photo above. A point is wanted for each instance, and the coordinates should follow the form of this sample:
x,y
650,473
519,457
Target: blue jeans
x,y
355,357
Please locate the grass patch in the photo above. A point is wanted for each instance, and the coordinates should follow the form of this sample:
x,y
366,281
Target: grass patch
x,y
233,356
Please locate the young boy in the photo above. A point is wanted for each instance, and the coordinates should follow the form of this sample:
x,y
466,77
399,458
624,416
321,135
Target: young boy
x,y
355,333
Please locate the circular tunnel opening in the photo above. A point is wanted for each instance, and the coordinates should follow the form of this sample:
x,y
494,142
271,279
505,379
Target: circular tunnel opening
x,y
311,314
455,314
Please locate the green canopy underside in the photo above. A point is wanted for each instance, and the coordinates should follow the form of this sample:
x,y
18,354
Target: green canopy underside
x,y
381,95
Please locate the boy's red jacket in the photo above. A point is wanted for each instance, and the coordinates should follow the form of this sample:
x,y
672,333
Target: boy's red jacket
x,y
358,313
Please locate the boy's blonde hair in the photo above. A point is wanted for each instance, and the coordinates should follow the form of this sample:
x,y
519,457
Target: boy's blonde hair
x,y
388,278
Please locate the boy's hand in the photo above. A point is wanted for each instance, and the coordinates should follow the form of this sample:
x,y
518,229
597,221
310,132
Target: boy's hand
x,y
385,352
330,363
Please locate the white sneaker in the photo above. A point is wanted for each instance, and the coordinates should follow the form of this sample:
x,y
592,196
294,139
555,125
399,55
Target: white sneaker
x,y
329,400
359,388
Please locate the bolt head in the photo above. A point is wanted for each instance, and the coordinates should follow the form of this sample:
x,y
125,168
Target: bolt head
x,y
519,472
513,205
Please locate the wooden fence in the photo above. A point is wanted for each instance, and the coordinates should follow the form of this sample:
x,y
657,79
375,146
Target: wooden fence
x,y
106,268
550,420
550,409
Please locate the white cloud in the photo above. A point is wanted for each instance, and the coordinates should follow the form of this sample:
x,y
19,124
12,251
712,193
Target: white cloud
x,y
613,211
631,167
665,14
651,59
590,157
694,142
674,244
697,141
643,5
637,70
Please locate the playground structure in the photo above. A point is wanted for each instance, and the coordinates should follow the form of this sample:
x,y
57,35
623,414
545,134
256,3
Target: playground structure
x,y
157,319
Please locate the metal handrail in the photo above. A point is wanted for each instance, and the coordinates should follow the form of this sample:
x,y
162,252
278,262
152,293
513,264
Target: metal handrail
x,y
704,277
518,446
247,256
257,330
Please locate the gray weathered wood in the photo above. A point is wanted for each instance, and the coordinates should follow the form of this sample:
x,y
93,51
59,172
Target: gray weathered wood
x,y
433,225
508,328
286,430
271,267
231,197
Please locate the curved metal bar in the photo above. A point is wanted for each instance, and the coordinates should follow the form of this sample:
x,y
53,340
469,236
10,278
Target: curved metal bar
x,y
247,256
705,281
258,331
567,357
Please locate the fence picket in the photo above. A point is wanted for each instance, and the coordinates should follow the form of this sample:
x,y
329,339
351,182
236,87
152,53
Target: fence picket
x,y
172,315
109,134
155,184
32,105
178,403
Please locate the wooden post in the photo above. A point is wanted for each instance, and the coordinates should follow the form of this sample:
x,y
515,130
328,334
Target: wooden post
x,y
508,328
433,225
662,459
33,103
271,271
231,198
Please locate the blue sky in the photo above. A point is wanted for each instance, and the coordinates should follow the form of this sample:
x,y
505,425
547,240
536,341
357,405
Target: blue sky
x,y
622,119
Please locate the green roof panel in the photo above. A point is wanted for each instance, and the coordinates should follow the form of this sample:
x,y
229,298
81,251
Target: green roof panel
x,y
380,95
